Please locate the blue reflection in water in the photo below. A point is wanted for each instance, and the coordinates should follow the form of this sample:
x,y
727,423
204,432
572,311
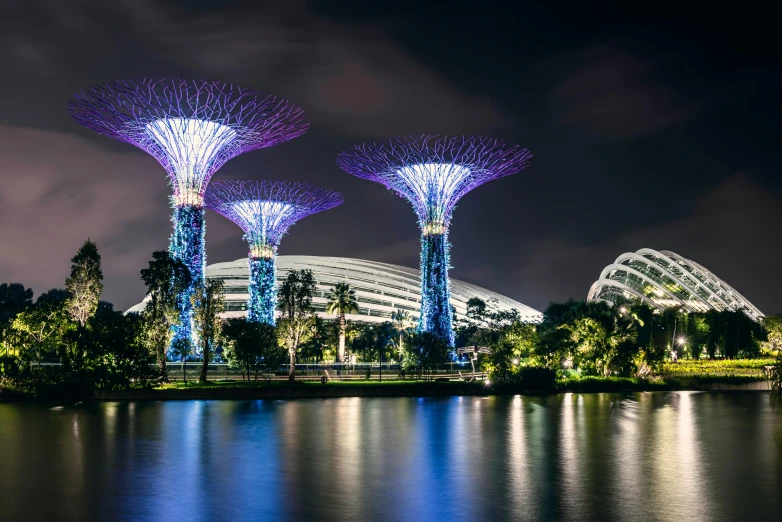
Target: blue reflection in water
x,y
650,456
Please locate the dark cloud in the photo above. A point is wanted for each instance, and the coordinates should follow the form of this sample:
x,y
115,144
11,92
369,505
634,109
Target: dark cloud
x,y
637,127
613,94
58,190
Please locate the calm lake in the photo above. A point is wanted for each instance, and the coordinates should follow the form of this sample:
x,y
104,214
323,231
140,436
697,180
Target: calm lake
x,y
682,456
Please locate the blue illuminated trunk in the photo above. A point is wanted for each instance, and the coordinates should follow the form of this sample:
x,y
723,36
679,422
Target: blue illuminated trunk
x,y
436,314
263,291
187,244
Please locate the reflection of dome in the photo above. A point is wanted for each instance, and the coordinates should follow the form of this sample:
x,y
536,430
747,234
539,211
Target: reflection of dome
x,y
664,279
380,288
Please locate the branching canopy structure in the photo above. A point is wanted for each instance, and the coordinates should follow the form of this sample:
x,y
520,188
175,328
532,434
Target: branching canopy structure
x,y
192,127
433,173
265,210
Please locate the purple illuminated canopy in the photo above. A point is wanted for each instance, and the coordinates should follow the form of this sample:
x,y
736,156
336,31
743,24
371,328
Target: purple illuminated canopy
x,y
192,127
434,172
265,210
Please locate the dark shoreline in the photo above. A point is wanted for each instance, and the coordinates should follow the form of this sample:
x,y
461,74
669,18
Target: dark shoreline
x,y
411,390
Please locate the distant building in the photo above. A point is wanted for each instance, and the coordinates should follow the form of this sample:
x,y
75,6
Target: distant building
x,y
665,279
381,288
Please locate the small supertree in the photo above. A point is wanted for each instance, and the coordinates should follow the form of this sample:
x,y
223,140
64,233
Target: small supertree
x,y
192,127
433,173
265,210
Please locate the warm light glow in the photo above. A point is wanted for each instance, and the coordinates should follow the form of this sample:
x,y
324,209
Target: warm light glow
x,y
681,340
262,251
191,145
436,185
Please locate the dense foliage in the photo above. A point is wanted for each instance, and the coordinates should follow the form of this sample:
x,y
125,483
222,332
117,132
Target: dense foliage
x,y
595,339
252,346
69,343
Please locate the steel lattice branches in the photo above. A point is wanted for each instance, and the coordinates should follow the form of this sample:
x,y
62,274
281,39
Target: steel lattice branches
x,y
192,127
434,172
265,210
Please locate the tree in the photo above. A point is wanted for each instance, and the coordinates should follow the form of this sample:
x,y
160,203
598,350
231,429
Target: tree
x,y
341,301
296,322
182,348
165,277
424,351
376,339
14,299
85,283
207,307
772,324
325,335
509,346
116,356
252,347
403,324
42,326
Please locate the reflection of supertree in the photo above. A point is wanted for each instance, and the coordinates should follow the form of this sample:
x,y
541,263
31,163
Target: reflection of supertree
x,y
192,128
265,210
433,173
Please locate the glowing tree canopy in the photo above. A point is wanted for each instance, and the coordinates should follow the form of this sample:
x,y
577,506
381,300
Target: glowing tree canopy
x,y
265,210
191,128
433,173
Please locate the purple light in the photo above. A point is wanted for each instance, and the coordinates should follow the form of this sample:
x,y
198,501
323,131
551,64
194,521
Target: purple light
x,y
265,210
433,173
192,127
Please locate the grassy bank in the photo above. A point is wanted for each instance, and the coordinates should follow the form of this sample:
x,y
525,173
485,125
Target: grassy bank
x,y
286,390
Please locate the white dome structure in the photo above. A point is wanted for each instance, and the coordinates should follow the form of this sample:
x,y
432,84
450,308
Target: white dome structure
x,y
665,279
381,288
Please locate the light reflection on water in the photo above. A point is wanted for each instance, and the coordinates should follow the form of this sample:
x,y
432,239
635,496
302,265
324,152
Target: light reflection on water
x,y
648,456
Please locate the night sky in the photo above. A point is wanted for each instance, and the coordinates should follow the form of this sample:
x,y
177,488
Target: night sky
x,y
655,128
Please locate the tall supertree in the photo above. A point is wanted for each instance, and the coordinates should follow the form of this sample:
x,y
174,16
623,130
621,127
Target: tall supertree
x,y
433,173
265,210
192,127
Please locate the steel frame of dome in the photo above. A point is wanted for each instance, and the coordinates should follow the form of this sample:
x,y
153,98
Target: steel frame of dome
x,y
664,279
381,288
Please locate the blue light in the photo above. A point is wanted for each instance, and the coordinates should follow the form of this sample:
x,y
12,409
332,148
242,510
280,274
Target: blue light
x,y
187,245
263,290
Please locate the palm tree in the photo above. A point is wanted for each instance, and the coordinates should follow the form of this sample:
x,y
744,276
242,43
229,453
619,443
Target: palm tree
x,y
402,323
341,301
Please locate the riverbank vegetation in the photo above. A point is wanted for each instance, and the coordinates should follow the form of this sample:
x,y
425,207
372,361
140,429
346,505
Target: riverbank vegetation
x,y
68,342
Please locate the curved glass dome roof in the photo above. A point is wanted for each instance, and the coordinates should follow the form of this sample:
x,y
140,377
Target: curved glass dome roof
x,y
381,288
665,279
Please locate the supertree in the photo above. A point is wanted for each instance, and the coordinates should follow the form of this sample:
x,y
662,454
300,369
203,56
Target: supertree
x,y
192,127
433,173
265,210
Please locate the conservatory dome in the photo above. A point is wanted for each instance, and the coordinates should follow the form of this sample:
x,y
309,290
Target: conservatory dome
x,y
663,279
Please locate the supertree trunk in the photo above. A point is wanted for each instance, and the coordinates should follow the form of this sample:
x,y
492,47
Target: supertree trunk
x,y
436,314
187,245
263,290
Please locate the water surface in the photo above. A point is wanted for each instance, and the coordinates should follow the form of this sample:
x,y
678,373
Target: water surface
x,y
648,456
